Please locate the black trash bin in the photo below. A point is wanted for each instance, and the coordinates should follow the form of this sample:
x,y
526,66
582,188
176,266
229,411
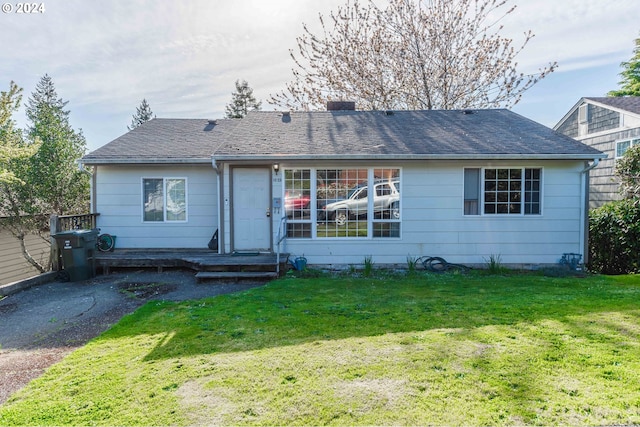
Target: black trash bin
x,y
78,253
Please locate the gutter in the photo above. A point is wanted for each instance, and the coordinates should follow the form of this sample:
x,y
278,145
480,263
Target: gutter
x,y
144,161
333,157
403,157
595,163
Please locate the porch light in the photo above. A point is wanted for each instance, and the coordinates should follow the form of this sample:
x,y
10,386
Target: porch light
x,y
276,168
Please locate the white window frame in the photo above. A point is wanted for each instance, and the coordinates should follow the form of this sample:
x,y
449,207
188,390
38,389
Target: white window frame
x,y
165,180
631,141
482,192
313,219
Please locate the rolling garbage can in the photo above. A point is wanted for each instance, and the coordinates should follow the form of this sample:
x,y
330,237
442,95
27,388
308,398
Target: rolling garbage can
x,y
78,253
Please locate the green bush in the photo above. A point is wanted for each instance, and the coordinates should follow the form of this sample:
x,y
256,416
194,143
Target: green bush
x,y
614,238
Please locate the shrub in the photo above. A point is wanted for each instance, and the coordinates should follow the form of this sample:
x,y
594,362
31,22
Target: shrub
x,y
628,171
614,237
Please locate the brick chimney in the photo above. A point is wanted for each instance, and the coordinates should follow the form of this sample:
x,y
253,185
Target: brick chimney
x,y
341,106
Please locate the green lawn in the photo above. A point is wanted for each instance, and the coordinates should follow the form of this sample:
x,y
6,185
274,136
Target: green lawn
x,y
395,350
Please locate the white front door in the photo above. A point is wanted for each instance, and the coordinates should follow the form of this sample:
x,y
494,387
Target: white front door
x,y
251,209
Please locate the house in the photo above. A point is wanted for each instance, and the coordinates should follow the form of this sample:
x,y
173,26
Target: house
x,y
345,185
610,125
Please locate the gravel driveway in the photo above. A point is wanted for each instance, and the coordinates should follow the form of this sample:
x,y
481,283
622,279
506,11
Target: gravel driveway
x,y
42,324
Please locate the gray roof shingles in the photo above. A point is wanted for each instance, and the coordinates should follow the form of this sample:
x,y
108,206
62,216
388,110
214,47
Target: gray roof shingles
x,y
348,134
627,103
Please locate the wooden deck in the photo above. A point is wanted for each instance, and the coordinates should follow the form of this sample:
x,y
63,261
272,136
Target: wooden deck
x,y
207,264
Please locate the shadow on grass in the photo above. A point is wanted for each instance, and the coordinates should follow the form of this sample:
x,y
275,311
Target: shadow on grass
x,y
293,311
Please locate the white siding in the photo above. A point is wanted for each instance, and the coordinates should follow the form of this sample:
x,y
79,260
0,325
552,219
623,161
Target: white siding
x,y
119,203
433,223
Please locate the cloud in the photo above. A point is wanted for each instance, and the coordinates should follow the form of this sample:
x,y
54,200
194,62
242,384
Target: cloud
x,y
184,56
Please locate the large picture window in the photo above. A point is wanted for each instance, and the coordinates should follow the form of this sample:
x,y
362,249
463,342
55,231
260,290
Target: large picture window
x,y
345,202
164,199
504,191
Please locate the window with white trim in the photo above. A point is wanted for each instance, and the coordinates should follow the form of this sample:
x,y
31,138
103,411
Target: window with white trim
x,y
164,199
502,191
342,202
297,202
623,146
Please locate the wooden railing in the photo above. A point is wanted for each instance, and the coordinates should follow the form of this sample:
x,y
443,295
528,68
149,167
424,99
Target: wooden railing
x,y
58,224
72,222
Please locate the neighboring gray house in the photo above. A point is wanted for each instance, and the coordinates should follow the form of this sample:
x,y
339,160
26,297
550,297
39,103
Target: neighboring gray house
x,y
463,185
610,125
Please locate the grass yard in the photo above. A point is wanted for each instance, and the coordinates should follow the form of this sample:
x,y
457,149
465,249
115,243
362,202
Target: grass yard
x,y
392,350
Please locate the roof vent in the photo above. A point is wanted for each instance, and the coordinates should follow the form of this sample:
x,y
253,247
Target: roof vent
x,y
213,122
389,112
341,106
286,113
465,112
583,114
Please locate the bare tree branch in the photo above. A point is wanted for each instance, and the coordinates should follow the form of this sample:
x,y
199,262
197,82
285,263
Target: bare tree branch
x,y
414,54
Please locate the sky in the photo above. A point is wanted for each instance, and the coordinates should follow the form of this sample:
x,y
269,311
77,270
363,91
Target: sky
x,y
184,56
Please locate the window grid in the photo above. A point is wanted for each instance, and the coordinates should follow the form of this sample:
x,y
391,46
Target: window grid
x,y
505,191
297,202
532,191
334,186
502,191
335,203
386,203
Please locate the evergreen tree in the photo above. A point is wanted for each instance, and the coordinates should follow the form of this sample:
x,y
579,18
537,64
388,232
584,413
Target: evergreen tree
x,y
57,183
242,101
12,145
630,83
143,114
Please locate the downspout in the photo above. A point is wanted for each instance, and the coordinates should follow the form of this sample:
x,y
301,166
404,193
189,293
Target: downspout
x,y
584,217
92,187
220,210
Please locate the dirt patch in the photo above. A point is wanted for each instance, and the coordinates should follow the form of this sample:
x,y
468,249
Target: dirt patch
x,y
145,290
18,367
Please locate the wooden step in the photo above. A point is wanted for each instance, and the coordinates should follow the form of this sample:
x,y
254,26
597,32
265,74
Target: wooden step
x,y
235,275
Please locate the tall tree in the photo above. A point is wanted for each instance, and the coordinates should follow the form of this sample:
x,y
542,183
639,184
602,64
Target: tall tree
x,y
413,54
143,114
12,144
242,101
61,188
49,181
16,201
630,83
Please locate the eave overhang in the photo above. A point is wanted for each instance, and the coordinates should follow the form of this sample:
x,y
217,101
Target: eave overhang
x,y
144,161
413,157
334,157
